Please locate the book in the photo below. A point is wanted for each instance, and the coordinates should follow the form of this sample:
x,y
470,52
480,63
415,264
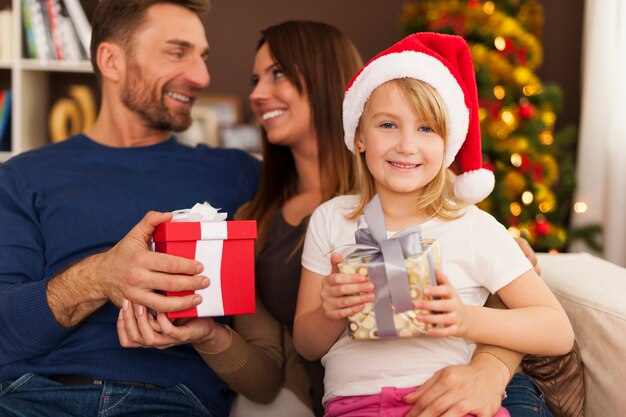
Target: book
x,y
5,122
81,23
43,9
2,96
72,49
31,46
39,31
71,42
53,10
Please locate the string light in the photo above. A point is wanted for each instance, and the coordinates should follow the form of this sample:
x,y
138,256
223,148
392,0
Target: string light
x,y
516,209
548,118
580,207
545,207
527,198
546,137
514,231
482,114
516,160
524,232
528,90
489,7
507,117
499,43
502,133
523,75
499,92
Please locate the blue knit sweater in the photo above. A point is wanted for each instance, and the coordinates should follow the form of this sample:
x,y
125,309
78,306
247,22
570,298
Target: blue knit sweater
x,y
66,201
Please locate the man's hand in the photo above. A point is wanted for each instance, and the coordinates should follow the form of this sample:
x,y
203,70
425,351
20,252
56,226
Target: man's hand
x,y
529,252
458,390
130,271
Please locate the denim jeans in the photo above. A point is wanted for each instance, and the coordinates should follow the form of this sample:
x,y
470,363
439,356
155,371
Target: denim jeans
x,y
525,399
34,395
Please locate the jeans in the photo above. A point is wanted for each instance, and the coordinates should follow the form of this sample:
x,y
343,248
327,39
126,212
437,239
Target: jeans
x,y
525,399
34,395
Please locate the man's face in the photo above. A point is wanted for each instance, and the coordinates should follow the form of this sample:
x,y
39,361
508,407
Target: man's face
x,y
166,67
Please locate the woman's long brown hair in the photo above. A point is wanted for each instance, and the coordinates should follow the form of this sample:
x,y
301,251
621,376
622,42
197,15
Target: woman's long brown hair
x,y
321,60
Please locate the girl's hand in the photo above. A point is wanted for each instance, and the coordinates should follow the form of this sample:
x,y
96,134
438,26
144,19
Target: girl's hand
x,y
344,294
447,309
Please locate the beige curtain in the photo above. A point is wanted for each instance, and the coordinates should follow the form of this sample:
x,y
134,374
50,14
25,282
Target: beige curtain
x,y
601,162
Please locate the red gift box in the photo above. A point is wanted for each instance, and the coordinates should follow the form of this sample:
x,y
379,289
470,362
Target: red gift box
x,y
226,249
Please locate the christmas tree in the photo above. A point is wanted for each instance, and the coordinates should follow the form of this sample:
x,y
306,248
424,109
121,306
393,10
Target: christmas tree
x,y
532,164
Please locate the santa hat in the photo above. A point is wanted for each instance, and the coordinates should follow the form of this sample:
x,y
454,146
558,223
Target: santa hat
x,y
444,62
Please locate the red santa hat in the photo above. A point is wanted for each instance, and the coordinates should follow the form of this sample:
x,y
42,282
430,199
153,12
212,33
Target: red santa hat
x,y
444,62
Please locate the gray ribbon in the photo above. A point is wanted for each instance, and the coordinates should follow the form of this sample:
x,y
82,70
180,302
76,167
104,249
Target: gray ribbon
x,y
387,269
432,278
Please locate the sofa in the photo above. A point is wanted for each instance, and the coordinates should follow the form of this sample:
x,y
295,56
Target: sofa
x,y
593,293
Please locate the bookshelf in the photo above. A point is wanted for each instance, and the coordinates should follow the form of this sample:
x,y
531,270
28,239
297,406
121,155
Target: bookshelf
x,y
35,84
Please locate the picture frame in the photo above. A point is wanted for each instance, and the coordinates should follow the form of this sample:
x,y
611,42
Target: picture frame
x,y
242,136
203,129
227,108
213,116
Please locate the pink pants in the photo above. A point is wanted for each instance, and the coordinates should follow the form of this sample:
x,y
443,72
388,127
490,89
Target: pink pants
x,y
389,403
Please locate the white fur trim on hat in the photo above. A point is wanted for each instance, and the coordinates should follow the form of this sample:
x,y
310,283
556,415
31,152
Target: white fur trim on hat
x,y
474,186
409,64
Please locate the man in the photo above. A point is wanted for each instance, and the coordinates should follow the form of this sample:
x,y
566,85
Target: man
x,y
67,264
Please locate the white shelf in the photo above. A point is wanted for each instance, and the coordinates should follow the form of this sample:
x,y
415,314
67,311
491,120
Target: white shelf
x,y
55,66
30,83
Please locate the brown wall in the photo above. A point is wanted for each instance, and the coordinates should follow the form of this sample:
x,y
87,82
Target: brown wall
x,y
562,41
233,28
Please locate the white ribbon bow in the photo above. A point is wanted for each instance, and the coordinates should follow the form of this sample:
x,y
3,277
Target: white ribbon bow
x,y
201,212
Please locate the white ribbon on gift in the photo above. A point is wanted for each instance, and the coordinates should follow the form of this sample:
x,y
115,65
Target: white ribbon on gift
x,y
200,212
214,229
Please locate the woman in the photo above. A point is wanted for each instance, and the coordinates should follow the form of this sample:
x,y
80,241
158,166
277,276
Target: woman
x,y
300,71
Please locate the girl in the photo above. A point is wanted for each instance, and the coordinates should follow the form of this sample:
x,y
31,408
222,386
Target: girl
x,y
409,113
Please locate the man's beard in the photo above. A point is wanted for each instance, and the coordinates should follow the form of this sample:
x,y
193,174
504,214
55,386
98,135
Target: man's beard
x,y
146,101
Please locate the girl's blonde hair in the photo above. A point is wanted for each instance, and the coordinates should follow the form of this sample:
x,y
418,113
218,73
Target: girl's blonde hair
x,y
438,198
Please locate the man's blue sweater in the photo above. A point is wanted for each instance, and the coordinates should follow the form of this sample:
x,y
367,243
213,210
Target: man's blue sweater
x,y
64,202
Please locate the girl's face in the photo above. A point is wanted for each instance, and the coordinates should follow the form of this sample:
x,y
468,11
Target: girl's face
x,y
283,111
402,152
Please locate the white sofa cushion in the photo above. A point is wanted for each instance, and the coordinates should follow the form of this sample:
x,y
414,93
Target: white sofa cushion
x,y
286,404
593,293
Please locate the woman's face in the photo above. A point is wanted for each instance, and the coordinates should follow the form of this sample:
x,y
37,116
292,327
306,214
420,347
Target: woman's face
x,y
284,113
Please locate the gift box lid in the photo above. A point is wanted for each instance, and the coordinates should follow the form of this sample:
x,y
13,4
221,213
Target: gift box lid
x,y
189,231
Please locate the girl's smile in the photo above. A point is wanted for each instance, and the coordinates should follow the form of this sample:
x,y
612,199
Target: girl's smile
x,y
403,166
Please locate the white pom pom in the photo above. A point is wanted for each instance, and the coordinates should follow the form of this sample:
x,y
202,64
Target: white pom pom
x,y
474,186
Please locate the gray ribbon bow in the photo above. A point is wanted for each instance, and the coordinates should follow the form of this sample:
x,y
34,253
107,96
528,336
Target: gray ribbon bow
x,y
387,269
